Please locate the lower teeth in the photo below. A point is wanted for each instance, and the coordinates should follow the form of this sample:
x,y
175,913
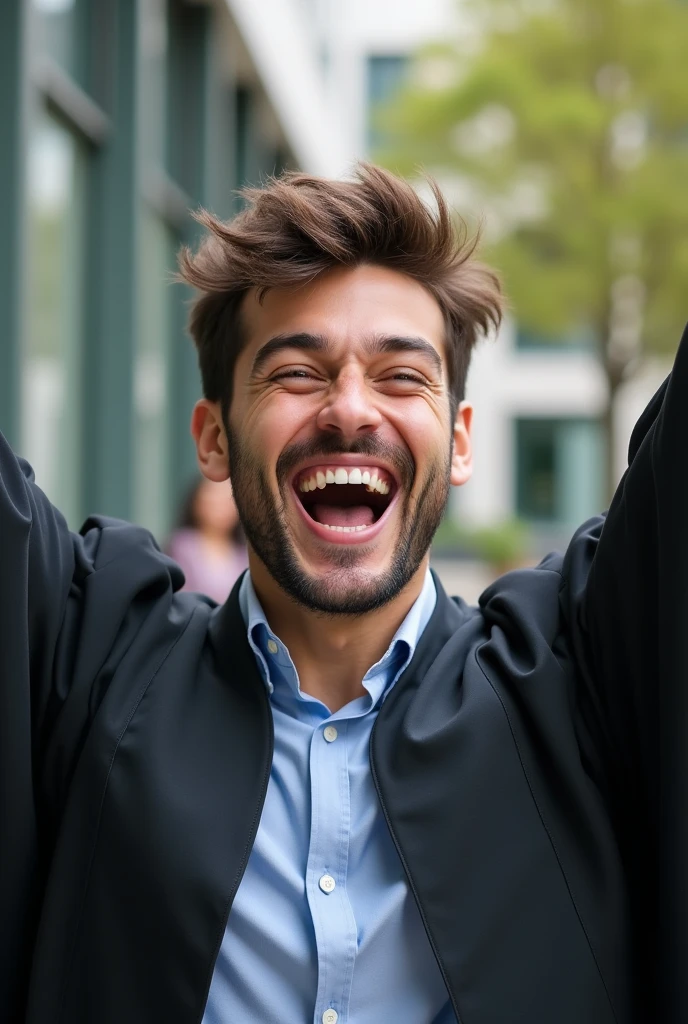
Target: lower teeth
x,y
345,529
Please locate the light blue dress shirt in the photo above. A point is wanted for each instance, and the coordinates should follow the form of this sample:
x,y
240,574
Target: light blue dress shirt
x,y
324,928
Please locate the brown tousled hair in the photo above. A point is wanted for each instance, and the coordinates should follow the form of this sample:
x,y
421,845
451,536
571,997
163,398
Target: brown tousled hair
x,y
298,226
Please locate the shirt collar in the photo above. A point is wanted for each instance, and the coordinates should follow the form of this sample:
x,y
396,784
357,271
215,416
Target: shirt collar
x,y
277,666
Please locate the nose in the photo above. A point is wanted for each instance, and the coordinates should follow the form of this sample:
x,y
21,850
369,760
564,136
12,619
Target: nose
x,y
349,409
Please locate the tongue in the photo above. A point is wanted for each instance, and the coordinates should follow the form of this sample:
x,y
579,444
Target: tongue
x,y
340,515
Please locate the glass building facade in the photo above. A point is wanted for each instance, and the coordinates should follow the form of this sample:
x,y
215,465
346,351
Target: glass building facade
x,y
117,117
559,470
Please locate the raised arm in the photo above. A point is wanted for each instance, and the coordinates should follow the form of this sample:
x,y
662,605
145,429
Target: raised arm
x,y
631,628
36,569
71,605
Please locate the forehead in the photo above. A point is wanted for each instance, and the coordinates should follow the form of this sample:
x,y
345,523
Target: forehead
x,y
345,305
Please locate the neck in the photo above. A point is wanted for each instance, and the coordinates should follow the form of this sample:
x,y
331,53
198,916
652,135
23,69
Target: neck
x,y
332,653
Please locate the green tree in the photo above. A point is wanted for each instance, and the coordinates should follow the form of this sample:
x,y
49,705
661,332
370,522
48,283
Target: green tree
x,y
566,122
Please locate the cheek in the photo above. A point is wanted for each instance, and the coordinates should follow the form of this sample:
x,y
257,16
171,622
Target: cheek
x,y
424,430
275,421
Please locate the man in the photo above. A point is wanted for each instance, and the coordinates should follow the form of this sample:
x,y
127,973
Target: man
x,y
342,796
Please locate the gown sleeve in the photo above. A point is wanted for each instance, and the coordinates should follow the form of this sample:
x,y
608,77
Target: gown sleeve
x,y
36,570
70,606
628,602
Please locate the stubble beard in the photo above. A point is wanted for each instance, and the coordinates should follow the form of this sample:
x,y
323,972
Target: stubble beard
x,y
346,588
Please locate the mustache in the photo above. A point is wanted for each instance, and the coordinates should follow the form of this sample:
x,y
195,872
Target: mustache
x,y
330,445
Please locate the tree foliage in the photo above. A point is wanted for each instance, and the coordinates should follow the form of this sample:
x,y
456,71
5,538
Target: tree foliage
x,y
566,121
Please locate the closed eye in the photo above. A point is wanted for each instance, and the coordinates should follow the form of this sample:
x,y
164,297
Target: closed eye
x,y
404,377
292,374
298,380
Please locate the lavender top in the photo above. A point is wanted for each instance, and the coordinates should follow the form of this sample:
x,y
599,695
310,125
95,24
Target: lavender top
x,y
206,572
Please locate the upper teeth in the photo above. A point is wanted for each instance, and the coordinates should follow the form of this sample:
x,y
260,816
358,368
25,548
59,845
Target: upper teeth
x,y
372,478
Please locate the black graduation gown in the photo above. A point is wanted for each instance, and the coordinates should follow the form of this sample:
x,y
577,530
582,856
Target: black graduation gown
x,y
530,763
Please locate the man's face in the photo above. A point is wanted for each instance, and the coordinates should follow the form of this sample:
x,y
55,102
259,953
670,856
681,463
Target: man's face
x,y
340,437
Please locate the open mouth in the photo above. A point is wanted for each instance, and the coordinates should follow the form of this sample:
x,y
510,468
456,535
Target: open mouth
x,y
345,499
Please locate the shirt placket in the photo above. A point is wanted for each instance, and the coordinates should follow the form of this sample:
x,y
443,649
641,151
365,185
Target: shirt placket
x,y
326,873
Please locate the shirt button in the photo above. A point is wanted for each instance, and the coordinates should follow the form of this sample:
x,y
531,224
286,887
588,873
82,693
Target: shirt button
x,y
330,734
272,647
330,1017
327,883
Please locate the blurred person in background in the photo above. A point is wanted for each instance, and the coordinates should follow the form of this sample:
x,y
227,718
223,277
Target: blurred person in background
x,y
208,544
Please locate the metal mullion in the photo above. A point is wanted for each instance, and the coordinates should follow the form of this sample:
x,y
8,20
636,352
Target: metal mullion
x,y
112,323
167,199
206,114
14,98
217,169
70,102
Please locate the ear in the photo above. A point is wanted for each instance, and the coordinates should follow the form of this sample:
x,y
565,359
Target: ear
x,y
207,430
462,450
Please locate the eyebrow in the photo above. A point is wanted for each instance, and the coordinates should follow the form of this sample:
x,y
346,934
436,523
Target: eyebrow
x,y
303,341
385,343
380,344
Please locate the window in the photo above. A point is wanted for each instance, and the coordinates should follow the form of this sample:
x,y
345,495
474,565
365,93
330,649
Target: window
x,y
117,117
386,75
559,470
55,296
151,406
69,266
576,339
57,31
174,43
156,247
153,58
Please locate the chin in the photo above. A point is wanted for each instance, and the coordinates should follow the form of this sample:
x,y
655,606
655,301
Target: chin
x,y
347,587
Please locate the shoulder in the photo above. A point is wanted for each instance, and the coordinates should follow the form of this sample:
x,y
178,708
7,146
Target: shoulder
x,y
124,597
527,597
532,608
124,587
124,551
